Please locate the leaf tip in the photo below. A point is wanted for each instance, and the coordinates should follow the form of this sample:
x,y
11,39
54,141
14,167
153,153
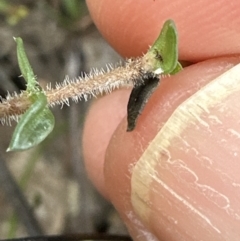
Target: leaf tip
x,y
8,149
17,39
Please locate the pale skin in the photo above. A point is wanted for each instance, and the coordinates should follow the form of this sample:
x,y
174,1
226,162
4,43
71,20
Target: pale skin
x,y
203,204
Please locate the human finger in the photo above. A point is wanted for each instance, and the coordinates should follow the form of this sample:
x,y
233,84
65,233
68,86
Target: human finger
x,y
206,29
127,148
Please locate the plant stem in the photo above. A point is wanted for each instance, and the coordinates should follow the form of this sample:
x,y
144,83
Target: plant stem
x,y
94,84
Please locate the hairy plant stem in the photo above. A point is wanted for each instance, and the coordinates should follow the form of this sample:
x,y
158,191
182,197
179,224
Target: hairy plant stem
x,y
96,83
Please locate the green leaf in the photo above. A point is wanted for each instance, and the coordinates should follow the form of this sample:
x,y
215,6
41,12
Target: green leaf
x,y
34,126
25,67
38,121
163,54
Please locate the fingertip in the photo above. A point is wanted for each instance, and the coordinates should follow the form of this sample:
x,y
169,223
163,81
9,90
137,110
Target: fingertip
x,y
131,27
102,119
112,173
126,149
181,169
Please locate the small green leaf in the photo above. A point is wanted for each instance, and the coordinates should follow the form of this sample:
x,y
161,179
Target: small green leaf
x,y
163,54
38,121
34,126
25,67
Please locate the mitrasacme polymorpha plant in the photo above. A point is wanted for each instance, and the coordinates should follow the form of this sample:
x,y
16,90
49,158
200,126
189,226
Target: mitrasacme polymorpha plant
x,y
143,74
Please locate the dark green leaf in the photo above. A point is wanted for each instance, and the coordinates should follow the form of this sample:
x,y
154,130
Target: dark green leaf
x,y
34,126
138,99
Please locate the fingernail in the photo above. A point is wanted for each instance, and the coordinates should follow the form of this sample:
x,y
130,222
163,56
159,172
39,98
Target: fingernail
x,y
186,184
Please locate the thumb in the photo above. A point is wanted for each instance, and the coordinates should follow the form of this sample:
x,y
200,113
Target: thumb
x,y
178,171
